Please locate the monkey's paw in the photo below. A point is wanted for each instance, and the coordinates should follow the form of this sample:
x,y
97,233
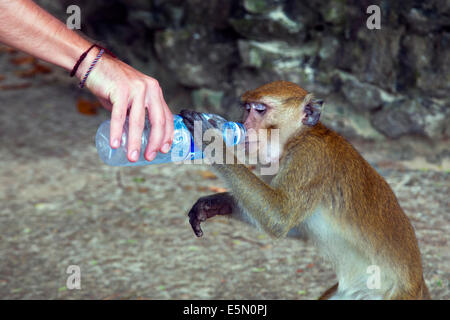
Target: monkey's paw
x,y
204,123
205,208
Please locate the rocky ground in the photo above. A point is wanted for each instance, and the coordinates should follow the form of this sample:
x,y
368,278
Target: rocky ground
x,y
126,227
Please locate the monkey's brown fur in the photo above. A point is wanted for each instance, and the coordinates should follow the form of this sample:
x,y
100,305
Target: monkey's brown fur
x,y
364,208
325,189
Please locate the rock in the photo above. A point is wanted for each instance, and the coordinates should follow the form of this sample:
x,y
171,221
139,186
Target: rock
x,y
425,64
260,6
434,80
419,116
363,96
303,13
195,59
206,99
281,60
426,20
335,11
274,26
416,56
275,54
337,115
329,48
211,13
373,58
436,118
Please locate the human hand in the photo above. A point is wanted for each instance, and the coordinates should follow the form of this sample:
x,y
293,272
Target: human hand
x,y
119,87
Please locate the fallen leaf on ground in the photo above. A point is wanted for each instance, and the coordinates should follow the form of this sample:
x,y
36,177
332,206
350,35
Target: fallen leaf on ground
x,y
139,179
217,189
42,68
35,70
87,107
22,60
6,49
207,175
389,165
15,86
3,48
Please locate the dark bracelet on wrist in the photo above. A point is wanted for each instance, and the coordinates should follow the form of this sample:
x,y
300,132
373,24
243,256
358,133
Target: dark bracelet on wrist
x,y
83,56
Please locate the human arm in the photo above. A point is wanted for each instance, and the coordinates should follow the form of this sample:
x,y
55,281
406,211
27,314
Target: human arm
x,y
29,28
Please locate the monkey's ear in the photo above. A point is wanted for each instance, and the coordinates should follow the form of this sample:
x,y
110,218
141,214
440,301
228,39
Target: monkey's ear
x,y
312,112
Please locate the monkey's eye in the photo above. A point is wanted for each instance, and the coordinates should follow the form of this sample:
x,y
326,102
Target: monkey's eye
x,y
247,106
259,107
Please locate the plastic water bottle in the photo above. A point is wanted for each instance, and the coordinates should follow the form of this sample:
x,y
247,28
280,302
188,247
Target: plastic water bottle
x,y
183,147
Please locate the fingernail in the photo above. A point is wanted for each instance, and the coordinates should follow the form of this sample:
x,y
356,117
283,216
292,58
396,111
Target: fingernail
x,y
152,156
165,148
115,143
134,155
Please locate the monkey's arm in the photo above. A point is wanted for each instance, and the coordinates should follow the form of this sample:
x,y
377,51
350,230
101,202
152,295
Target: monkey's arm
x,y
293,194
267,206
276,208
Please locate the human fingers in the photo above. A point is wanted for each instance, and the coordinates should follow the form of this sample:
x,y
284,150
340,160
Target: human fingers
x,y
118,115
168,129
136,126
157,119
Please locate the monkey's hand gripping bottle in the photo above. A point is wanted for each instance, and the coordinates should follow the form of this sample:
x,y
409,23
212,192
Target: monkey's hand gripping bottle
x,y
183,147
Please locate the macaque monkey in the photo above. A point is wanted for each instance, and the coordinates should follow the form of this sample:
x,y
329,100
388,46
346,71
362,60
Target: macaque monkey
x,y
323,189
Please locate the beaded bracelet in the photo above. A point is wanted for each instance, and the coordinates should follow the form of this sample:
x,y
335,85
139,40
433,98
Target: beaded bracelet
x,y
83,56
91,67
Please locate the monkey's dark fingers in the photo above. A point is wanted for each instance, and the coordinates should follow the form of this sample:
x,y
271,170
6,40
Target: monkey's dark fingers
x,y
195,219
187,119
191,116
196,216
215,120
196,228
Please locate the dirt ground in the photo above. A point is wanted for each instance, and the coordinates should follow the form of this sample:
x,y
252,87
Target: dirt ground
x,y
126,228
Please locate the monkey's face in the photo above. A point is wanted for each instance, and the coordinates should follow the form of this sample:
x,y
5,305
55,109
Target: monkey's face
x,y
270,111
263,120
281,106
276,105
256,114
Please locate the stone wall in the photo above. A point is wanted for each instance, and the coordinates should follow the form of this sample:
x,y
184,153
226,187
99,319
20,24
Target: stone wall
x,y
377,84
